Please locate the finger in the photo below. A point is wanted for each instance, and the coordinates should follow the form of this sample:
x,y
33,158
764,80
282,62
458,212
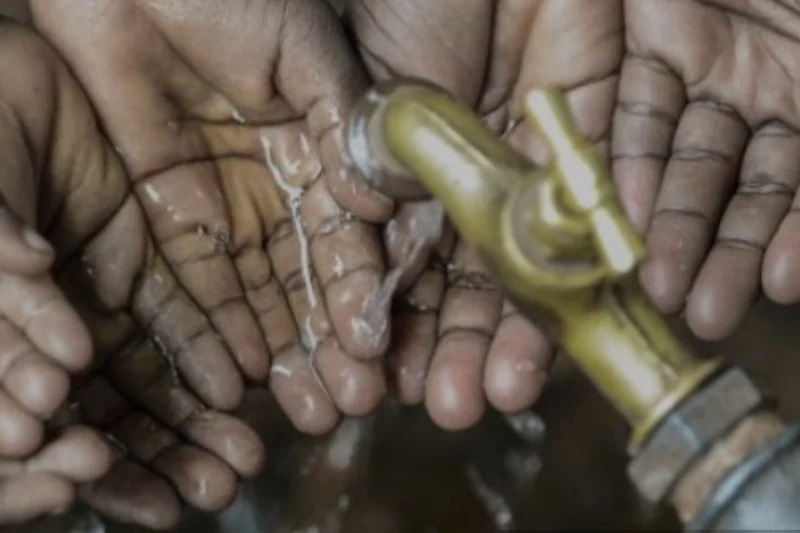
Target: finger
x,y
326,94
414,334
35,383
162,157
78,454
114,278
510,36
195,236
356,387
37,307
730,279
518,363
450,49
467,322
267,300
650,102
142,375
22,250
202,480
701,171
186,338
348,262
410,237
130,494
30,496
300,392
585,65
291,261
20,432
343,252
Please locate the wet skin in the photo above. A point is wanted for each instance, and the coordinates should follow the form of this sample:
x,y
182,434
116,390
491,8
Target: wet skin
x,y
698,98
63,182
472,347
210,137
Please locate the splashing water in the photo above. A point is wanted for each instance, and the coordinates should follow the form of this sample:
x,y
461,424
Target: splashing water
x,y
424,232
294,196
495,504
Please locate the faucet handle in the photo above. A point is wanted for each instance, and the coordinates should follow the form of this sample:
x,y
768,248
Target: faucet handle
x,y
583,181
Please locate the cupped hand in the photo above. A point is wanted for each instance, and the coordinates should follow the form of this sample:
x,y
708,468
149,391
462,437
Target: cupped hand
x,y
61,182
706,150
467,345
227,116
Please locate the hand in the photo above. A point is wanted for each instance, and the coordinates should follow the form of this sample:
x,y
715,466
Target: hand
x,y
62,182
227,116
488,54
706,150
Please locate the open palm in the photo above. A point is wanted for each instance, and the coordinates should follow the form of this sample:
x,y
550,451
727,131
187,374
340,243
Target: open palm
x,y
227,117
706,151
61,179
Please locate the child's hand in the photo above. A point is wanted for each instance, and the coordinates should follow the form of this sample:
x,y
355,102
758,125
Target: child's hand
x,y
707,154
468,346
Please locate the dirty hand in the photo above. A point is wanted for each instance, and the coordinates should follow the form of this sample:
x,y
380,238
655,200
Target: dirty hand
x,y
469,345
61,182
706,149
228,118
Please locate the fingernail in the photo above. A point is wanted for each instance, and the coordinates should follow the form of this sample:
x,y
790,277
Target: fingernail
x,y
36,241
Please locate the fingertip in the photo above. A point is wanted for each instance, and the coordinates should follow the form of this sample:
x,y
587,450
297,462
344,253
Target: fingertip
x,y
62,335
80,454
360,309
37,385
203,481
20,433
727,285
33,496
129,494
454,397
780,275
356,387
659,281
230,439
301,395
211,373
517,366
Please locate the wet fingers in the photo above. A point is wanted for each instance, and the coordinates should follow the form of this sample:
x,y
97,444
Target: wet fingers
x,y
79,454
144,376
34,382
518,363
356,387
348,262
186,339
45,483
414,334
131,494
300,392
201,479
37,307
467,322
20,432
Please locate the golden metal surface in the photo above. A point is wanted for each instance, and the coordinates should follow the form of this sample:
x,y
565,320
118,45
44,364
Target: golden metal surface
x,y
554,238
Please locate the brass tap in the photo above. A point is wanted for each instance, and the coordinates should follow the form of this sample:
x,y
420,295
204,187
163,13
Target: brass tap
x,y
554,238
